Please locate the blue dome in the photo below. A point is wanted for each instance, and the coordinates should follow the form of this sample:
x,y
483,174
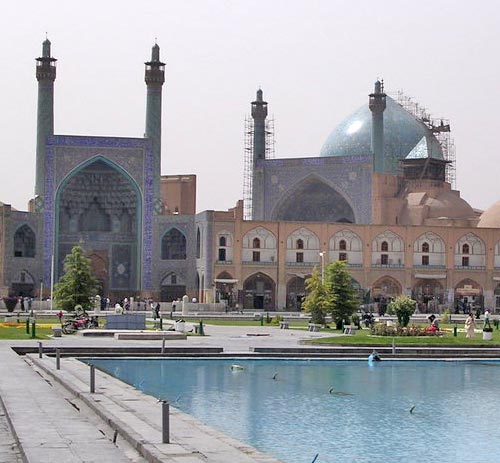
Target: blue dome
x,y
402,132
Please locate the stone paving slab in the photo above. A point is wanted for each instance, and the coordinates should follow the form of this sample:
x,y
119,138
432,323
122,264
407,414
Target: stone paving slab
x,y
137,417
9,450
46,425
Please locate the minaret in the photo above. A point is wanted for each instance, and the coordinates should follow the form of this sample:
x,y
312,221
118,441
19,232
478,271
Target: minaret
x,y
259,114
45,75
154,78
377,106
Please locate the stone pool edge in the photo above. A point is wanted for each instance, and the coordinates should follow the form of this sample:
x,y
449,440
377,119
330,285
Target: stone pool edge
x,y
113,402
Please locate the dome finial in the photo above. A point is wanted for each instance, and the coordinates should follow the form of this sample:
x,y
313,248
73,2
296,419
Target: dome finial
x,y
260,95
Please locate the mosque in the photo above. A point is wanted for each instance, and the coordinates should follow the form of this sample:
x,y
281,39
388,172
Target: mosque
x,y
378,196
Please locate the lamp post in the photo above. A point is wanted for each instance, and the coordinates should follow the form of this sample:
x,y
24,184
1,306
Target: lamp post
x,y
322,257
41,293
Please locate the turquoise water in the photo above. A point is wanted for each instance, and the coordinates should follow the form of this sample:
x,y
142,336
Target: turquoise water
x,y
346,411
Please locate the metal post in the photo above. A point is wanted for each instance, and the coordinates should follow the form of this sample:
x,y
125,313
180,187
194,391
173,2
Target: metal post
x,y
92,379
165,422
41,293
40,350
52,283
163,345
27,325
322,257
161,323
33,329
58,358
393,346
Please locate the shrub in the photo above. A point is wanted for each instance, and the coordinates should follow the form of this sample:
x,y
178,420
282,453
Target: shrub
x,y
10,303
381,329
403,307
445,316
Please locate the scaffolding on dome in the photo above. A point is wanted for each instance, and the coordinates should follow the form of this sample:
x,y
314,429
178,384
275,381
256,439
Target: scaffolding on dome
x,y
440,128
248,160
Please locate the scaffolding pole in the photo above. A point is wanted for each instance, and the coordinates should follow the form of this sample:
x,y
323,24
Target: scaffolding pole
x,y
439,127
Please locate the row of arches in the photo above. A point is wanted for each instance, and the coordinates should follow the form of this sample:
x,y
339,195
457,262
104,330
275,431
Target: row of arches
x,y
387,248
259,292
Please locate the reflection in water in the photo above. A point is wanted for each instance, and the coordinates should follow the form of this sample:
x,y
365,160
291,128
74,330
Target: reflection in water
x,y
346,411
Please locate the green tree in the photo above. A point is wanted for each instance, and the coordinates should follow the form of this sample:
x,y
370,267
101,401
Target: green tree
x,y
317,301
77,285
344,297
403,307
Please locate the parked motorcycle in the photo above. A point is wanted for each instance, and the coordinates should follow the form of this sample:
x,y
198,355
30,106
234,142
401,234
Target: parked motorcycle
x,y
81,322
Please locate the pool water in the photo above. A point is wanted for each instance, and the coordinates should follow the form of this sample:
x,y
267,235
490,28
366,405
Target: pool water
x,y
345,411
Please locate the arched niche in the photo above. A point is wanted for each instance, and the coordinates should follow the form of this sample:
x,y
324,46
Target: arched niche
x,y
313,200
24,242
100,205
259,292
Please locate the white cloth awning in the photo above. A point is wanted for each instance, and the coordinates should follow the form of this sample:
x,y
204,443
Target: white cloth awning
x,y
225,280
426,276
496,278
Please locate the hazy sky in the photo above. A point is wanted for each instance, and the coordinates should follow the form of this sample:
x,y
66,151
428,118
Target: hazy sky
x,y
316,61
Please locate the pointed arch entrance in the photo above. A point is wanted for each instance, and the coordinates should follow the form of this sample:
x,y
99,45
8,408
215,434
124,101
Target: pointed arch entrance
x,y
225,289
384,290
295,292
468,295
173,287
99,207
428,293
259,292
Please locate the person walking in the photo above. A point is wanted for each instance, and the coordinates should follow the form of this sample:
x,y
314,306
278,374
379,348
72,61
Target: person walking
x,y
470,325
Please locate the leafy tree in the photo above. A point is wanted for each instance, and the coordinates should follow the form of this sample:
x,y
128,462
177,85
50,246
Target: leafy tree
x,y
343,295
317,301
77,285
403,307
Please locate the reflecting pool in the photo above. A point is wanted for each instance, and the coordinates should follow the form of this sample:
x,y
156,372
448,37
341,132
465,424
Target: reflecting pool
x,y
345,411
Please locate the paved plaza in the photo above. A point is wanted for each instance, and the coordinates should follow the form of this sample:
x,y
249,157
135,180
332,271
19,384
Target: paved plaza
x,y
53,423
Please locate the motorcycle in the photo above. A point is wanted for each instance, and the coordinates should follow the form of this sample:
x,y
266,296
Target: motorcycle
x,y
82,322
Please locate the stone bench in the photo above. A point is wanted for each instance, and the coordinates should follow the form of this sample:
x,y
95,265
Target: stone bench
x,y
284,325
313,327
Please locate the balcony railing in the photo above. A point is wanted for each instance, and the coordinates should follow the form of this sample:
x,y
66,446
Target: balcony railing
x,y
224,262
470,267
388,265
303,264
251,262
430,267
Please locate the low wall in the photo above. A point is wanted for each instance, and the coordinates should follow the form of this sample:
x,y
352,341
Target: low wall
x,y
128,321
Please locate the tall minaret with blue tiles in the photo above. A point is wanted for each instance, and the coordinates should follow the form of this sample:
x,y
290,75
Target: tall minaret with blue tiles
x,y
259,115
377,106
45,75
154,78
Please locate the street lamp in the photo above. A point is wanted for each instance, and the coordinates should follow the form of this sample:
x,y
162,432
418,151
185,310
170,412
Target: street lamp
x,y
322,257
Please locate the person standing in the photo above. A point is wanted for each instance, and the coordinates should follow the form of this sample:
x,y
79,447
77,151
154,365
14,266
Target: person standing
x,y
470,325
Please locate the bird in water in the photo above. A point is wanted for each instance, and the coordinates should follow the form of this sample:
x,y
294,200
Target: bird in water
x,y
275,376
412,408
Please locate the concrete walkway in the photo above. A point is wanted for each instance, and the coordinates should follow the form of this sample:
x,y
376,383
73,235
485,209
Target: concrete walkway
x,y
69,424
